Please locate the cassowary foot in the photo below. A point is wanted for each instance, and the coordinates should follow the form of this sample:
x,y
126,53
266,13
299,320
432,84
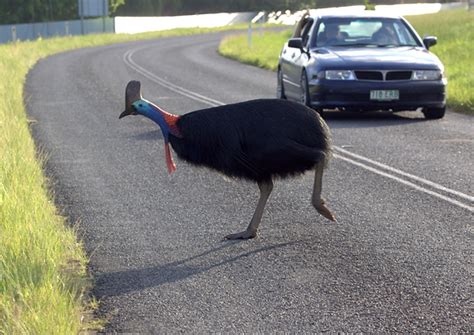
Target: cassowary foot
x,y
245,235
324,211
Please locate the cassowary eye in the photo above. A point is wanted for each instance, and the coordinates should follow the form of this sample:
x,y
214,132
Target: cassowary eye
x,y
140,105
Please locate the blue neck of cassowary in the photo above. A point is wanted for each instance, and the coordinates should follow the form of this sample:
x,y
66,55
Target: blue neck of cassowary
x,y
166,121
155,115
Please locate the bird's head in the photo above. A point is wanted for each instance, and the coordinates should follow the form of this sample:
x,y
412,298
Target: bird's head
x,y
134,103
141,107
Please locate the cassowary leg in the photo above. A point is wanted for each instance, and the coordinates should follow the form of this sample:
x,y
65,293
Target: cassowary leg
x,y
266,188
316,199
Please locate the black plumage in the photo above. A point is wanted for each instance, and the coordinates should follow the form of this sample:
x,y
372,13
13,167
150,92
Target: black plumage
x,y
256,140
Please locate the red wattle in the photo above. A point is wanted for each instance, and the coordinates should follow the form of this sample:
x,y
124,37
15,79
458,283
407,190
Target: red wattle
x,y
169,159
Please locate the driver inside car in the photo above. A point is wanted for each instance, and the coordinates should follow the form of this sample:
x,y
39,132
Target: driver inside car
x,y
385,35
331,35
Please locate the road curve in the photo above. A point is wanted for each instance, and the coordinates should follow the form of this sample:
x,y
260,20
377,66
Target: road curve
x,y
399,260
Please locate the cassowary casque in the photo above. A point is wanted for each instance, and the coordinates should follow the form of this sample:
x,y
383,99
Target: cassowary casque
x,y
255,140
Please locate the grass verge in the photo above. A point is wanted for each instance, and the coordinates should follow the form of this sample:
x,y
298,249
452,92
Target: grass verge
x,y
454,29
43,277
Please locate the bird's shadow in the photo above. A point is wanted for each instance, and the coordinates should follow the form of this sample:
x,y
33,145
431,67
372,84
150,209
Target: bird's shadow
x,y
123,282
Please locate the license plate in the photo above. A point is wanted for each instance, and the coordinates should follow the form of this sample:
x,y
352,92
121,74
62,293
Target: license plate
x,y
384,95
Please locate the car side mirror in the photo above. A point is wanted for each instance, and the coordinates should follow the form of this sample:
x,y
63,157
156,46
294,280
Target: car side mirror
x,y
429,41
296,42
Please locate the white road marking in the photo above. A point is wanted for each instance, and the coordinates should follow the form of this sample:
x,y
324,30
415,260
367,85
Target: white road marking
x,y
408,183
405,174
127,58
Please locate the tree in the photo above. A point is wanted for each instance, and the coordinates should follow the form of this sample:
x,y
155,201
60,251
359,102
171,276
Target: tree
x,y
28,11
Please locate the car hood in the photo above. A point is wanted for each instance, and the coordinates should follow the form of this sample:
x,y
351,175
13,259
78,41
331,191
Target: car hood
x,y
377,58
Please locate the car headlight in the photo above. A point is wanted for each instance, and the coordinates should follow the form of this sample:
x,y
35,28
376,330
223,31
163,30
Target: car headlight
x,y
427,75
339,75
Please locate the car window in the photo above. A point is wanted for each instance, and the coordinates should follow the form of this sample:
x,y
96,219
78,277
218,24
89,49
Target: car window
x,y
363,32
403,34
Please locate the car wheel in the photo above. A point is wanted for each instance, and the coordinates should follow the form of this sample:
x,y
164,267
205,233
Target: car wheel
x,y
280,93
434,113
304,97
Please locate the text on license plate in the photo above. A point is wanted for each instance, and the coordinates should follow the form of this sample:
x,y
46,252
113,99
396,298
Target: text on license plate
x,y
384,95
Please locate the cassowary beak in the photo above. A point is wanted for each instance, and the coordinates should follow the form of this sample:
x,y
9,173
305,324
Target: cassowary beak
x,y
125,113
132,94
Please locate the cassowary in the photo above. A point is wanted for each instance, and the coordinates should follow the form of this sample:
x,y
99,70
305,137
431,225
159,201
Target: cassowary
x,y
255,140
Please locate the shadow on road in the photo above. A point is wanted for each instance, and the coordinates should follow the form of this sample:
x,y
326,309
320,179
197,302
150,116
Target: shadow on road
x,y
122,282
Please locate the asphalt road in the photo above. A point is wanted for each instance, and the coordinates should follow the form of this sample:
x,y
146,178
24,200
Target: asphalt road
x,y
398,260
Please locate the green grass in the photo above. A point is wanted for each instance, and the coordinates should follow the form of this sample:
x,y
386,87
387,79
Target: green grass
x,y
43,277
455,48
454,29
263,52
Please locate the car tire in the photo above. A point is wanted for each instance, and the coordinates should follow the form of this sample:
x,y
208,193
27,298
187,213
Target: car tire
x,y
304,97
280,93
434,113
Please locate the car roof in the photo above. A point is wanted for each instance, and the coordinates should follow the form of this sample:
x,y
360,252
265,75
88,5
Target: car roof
x,y
365,14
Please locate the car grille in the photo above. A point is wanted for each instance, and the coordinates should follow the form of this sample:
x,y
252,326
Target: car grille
x,y
383,75
369,75
398,75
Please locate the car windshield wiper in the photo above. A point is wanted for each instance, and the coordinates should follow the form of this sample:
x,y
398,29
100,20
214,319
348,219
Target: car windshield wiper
x,y
375,45
388,45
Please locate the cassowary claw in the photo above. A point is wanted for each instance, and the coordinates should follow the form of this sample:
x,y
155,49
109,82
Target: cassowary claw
x,y
324,211
245,235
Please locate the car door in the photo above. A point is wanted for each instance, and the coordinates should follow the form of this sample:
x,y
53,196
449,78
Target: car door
x,y
294,61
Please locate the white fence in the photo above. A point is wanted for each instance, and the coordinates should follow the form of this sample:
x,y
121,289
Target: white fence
x,y
402,10
132,25
31,31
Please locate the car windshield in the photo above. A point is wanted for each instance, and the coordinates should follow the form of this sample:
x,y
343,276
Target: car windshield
x,y
363,32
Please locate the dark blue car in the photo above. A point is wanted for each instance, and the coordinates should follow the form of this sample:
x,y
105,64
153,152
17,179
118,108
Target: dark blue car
x,y
362,62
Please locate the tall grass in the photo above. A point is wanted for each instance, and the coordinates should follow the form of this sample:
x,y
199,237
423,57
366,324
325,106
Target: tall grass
x,y
454,29
263,52
42,266
455,48
43,279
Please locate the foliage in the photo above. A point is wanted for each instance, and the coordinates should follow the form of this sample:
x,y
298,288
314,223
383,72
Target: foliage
x,y
369,5
264,51
28,11
454,29
455,32
42,266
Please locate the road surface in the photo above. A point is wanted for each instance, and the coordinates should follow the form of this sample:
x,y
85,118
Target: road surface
x,y
398,260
